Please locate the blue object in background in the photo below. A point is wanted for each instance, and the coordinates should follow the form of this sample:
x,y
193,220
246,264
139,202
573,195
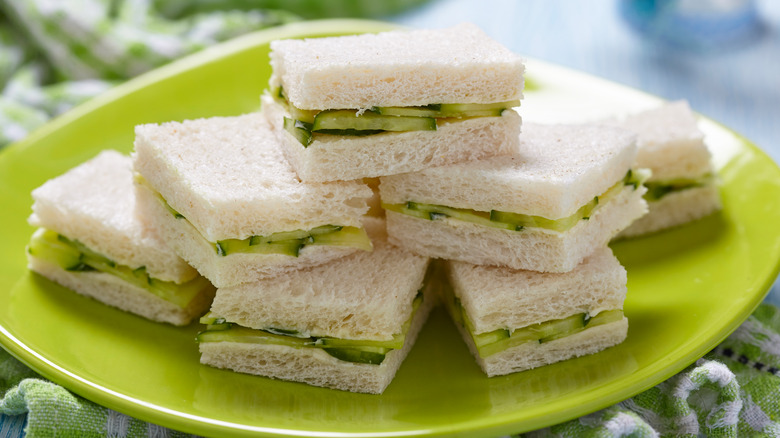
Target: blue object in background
x,y
700,25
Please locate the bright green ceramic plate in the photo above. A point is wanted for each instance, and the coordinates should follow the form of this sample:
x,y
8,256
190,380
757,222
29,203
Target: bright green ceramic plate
x,y
688,288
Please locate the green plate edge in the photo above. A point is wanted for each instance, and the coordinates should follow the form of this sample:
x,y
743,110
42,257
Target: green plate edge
x,y
483,426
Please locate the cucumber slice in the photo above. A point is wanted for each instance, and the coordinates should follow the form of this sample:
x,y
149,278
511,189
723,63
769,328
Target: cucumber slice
x,y
433,110
449,110
552,330
483,339
605,317
516,338
73,256
395,343
346,236
290,242
347,119
45,245
254,246
298,129
373,356
245,335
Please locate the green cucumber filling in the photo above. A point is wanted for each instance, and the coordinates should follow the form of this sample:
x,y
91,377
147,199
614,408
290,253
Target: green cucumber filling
x,y
496,341
304,125
348,350
517,221
286,242
73,256
658,189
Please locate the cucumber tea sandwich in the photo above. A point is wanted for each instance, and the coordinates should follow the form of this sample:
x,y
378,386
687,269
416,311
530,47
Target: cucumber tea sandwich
x,y
516,320
380,104
347,324
91,240
227,201
683,186
569,190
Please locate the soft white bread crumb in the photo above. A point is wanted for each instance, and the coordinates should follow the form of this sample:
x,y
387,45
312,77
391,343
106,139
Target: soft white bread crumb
x,y
558,169
670,143
532,354
367,295
336,157
502,298
676,208
232,269
228,177
95,204
401,68
531,248
312,365
375,203
113,291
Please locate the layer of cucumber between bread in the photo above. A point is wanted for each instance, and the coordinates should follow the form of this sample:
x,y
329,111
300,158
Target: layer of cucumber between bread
x,y
517,221
73,256
305,125
358,351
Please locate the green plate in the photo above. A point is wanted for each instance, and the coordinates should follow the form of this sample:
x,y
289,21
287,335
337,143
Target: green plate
x,y
688,288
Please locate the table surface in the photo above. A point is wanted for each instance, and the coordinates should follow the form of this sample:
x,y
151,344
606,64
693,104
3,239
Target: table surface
x,y
738,86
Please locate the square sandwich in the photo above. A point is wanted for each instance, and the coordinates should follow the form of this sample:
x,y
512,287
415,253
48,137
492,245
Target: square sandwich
x,y
380,104
683,185
226,200
347,324
91,240
569,190
516,320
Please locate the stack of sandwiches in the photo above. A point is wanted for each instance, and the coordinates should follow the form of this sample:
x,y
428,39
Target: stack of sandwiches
x,y
316,219
527,229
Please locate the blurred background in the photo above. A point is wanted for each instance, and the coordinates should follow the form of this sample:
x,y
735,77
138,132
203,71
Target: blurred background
x,y
723,56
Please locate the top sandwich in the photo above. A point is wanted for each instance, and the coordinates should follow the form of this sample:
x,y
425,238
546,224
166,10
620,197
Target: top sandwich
x,y
413,68
393,102
228,202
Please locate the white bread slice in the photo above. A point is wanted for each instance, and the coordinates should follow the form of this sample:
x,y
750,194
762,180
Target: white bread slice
x,y
227,176
312,365
531,248
336,157
115,292
233,269
401,68
558,169
533,355
95,204
670,142
366,295
501,298
496,298
675,209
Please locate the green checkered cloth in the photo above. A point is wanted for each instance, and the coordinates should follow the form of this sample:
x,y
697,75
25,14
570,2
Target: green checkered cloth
x,y
56,54
732,392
